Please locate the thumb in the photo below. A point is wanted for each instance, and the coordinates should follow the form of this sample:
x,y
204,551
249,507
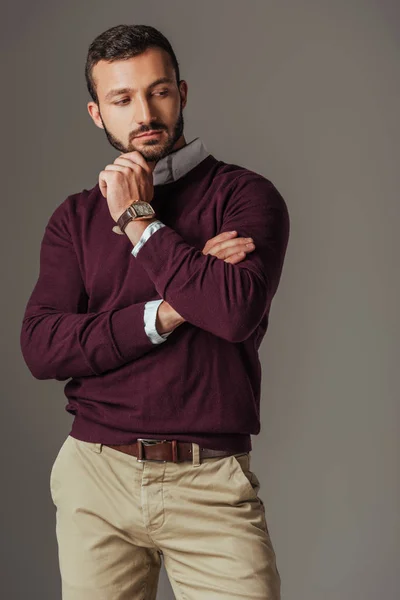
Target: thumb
x,y
103,186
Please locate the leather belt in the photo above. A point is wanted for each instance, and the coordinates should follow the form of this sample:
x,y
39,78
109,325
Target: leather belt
x,y
165,450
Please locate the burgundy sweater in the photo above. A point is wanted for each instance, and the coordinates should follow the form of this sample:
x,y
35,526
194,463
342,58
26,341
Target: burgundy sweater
x,y
84,318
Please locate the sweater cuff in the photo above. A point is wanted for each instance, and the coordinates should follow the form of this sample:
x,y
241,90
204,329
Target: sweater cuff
x,y
128,332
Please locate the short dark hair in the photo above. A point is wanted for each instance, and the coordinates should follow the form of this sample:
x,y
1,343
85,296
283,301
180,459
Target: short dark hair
x,y
122,42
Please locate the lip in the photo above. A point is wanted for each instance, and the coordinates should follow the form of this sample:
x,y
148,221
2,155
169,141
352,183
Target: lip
x,y
150,133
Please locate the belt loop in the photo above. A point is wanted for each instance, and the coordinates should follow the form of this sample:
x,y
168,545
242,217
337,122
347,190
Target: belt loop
x,y
196,454
96,447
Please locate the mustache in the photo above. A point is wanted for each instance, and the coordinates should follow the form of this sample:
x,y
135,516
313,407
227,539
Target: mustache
x,y
153,128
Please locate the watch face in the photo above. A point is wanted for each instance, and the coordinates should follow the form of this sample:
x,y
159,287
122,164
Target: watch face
x,y
140,210
143,208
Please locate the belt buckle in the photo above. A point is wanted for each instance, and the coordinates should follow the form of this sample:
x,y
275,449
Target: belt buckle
x,y
148,442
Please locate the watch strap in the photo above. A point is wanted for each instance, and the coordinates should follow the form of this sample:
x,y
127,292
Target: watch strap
x,y
137,211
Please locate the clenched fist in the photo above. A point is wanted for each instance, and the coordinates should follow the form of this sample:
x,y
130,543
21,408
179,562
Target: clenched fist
x,y
129,179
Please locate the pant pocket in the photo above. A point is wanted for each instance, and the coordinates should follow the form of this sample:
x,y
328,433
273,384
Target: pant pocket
x,y
251,484
242,473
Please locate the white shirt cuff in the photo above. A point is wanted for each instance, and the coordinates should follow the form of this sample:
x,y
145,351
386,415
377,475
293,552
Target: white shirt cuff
x,y
150,229
150,316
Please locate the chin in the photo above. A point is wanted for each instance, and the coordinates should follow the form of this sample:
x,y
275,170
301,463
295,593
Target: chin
x,y
154,151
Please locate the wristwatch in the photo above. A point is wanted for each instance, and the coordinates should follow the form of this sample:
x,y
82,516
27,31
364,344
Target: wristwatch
x,y
137,211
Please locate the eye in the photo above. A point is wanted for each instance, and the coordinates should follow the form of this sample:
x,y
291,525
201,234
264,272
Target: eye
x,y
122,101
164,93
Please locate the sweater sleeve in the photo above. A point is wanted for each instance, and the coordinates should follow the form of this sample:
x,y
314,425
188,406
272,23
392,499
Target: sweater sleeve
x,y
59,338
228,300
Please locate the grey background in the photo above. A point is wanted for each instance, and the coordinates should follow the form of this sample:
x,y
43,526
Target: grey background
x,y
306,93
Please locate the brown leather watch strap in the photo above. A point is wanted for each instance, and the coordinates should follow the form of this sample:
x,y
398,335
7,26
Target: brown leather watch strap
x,y
144,209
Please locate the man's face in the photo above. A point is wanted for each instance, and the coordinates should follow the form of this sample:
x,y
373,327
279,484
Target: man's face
x,y
130,104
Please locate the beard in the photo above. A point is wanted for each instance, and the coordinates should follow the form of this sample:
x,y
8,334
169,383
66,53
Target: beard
x,y
154,150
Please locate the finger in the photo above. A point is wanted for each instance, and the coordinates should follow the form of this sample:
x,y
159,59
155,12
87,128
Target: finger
x,y
125,162
109,177
112,176
103,177
133,166
120,168
220,237
138,158
235,258
232,251
238,244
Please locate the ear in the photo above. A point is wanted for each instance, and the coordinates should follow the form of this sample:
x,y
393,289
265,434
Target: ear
x,y
93,111
183,90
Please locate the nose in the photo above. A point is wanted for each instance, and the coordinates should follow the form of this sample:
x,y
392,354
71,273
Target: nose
x,y
143,112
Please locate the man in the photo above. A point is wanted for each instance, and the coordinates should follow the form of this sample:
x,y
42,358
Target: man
x,y
153,308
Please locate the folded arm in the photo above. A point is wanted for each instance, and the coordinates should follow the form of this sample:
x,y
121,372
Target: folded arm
x,y
228,300
59,338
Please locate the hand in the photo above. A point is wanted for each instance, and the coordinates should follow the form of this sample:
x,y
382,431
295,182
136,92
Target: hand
x,y
129,179
226,248
167,318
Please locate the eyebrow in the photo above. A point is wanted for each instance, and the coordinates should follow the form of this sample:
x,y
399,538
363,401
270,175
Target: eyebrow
x,y
126,90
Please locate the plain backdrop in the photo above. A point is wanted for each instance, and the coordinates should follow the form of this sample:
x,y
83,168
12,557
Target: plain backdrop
x,y
308,94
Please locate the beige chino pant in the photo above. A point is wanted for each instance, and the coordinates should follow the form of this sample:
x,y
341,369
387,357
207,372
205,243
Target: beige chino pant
x,y
117,518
